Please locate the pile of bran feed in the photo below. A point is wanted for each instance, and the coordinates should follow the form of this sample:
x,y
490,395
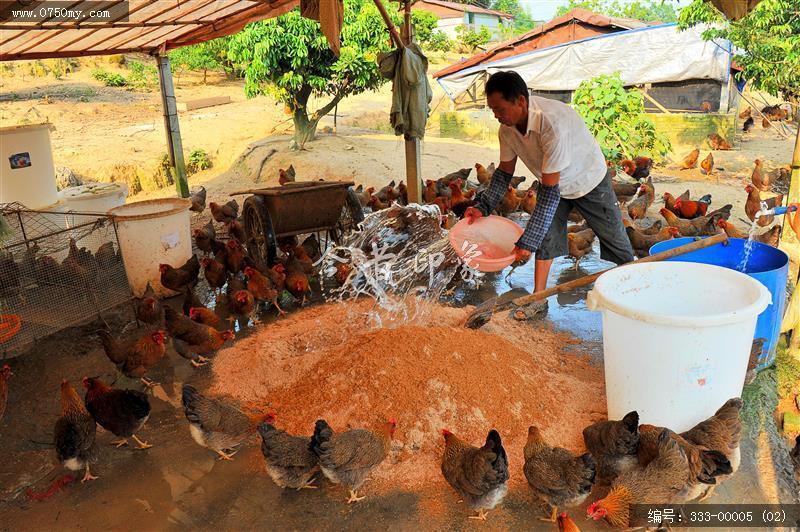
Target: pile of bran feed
x,y
327,362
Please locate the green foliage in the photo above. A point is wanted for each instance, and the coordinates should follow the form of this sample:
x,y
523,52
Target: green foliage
x,y
198,160
37,69
767,39
471,39
142,76
109,79
203,57
647,11
289,59
787,369
424,23
439,42
59,67
617,119
522,20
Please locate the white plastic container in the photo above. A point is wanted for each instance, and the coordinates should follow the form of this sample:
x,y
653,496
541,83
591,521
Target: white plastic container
x,y
150,233
94,197
676,338
27,173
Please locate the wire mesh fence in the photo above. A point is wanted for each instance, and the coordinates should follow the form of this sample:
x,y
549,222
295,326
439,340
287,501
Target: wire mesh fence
x,y
56,270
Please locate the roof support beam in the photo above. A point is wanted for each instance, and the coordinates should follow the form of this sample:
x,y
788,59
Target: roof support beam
x,y
172,127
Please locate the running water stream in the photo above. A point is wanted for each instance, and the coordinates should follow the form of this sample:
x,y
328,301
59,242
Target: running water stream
x,y
751,235
748,246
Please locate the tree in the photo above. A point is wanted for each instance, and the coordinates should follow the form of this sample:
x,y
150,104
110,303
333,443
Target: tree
x,y
205,56
471,39
288,58
656,11
424,23
617,119
766,41
522,19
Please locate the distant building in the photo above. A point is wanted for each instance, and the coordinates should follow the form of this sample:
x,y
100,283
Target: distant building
x,y
575,25
452,14
686,81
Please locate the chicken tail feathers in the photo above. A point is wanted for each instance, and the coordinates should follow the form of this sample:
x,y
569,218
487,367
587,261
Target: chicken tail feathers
x,y
322,435
500,463
191,400
714,464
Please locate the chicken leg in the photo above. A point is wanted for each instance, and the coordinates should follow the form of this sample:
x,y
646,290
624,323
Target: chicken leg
x,y
354,497
142,444
224,456
709,492
119,443
199,361
553,514
481,515
308,485
88,475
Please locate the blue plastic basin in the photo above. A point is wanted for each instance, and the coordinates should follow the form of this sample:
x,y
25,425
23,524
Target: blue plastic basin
x,y
767,264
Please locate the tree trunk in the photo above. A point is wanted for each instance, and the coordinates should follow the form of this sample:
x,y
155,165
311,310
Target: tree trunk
x,y
305,129
305,125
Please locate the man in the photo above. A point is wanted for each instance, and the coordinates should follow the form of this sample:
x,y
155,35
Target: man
x,y
554,143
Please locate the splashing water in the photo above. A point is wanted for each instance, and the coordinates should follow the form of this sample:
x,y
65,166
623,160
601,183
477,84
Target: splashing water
x,y
401,258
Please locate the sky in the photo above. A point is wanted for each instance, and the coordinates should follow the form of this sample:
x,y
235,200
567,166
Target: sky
x,y
546,9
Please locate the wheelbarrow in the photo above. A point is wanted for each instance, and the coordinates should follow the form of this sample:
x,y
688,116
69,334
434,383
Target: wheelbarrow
x,y
329,207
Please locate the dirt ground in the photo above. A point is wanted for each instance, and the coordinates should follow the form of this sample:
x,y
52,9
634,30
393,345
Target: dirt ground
x,y
98,129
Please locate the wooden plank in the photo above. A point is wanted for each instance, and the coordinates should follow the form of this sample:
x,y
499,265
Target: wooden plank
x,y
201,103
655,102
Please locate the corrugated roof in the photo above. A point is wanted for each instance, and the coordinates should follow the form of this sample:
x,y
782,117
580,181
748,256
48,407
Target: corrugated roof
x,y
469,8
145,26
508,48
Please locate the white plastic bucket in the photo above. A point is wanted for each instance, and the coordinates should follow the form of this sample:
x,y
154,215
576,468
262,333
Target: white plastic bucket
x,y
27,173
150,233
676,338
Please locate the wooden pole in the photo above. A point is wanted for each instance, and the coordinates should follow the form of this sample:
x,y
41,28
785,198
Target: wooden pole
x,y
389,24
171,126
413,158
789,242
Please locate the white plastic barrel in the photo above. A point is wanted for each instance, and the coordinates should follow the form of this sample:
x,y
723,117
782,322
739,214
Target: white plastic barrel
x,y
150,233
676,338
94,197
27,173
91,198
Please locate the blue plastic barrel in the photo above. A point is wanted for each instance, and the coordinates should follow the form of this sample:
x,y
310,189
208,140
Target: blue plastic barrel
x,y
767,264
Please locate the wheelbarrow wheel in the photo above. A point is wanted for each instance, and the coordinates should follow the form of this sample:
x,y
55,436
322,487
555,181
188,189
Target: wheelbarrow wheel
x,y
261,242
351,216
